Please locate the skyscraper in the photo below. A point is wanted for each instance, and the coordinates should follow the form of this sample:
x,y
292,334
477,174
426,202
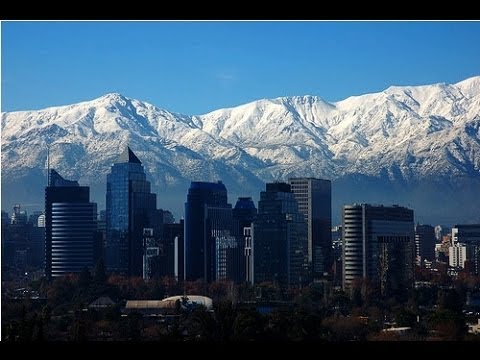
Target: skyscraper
x,y
171,258
208,228
70,227
424,243
279,238
130,207
378,244
244,213
468,236
314,197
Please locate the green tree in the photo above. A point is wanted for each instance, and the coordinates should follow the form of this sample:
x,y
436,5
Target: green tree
x,y
248,325
46,314
85,278
131,329
39,336
405,317
100,275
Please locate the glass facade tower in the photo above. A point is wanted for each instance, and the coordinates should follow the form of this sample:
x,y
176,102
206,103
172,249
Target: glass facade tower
x,y
279,238
314,197
379,245
244,214
424,243
208,229
70,227
130,207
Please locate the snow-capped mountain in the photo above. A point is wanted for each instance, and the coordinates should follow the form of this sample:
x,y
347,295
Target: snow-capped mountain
x,y
414,145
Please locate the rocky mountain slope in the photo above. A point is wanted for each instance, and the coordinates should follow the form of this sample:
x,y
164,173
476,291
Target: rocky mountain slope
x,y
416,145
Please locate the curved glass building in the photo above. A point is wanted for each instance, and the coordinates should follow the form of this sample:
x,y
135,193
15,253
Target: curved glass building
x,y
73,235
70,227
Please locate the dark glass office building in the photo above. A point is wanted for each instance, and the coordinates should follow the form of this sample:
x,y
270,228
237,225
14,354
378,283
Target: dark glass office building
x,y
424,243
208,229
70,227
130,207
244,213
279,238
171,252
378,245
314,197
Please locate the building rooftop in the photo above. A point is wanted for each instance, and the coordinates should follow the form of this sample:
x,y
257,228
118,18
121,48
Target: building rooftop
x,y
208,185
278,187
169,303
56,180
101,302
245,203
128,156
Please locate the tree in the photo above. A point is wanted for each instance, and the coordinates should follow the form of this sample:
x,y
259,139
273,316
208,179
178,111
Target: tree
x,y
80,330
225,317
248,325
46,315
450,300
85,278
100,275
39,336
204,324
218,290
134,326
448,324
405,317
113,313
345,328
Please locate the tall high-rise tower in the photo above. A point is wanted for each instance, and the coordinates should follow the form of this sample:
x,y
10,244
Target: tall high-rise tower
x,y
424,243
208,229
378,244
70,227
279,238
244,214
130,207
314,197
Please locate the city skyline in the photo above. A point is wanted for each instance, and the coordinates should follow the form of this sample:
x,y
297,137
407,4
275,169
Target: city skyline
x,y
238,262
302,206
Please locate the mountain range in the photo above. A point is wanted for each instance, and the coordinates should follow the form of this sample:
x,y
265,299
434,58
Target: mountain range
x,y
417,146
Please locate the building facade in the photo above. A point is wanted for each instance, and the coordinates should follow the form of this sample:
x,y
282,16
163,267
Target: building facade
x,y
468,236
457,255
279,238
130,207
23,243
70,227
424,243
208,228
378,245
314,198
244,213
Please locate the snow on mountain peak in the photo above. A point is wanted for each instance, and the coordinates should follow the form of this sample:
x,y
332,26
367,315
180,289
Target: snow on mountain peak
x,y
115,96
405,133
469,87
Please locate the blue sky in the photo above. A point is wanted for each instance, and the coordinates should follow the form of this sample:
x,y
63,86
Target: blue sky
x,y
196,67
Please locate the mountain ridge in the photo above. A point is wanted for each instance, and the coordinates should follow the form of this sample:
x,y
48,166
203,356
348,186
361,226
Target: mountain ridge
x,y
403,138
